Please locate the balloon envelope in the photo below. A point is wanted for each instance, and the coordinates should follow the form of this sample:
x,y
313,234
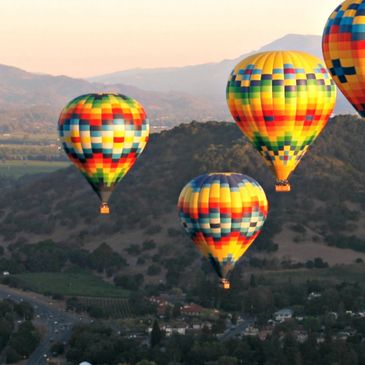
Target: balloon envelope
x,y
343,46
281,101
223,214
103,135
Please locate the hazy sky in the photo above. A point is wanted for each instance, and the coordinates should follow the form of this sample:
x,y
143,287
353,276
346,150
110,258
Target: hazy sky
x,y
91,37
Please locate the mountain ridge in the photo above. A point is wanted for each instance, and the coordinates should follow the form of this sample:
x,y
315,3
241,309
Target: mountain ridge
x,y
210,79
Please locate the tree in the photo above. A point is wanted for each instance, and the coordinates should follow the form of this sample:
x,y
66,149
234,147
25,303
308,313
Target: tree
x,y
153,270
227,360
25,340
156,334
58,348
12,356
24,310
146,362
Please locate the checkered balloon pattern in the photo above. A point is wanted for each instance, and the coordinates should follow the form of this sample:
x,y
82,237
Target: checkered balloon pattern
x,y
223,214
343,46
281,101
103,135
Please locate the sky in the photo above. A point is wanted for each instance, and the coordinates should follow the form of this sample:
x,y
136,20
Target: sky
x,y
82,38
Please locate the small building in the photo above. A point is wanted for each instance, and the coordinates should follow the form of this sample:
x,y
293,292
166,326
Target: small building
x,y
343,335
283,314
251,331
314,295
192,310
301,336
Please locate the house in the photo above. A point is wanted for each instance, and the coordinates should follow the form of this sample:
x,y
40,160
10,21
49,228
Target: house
x,y
192,310
301,336
314,295
169,329
251,331
342,335
163,305
283,315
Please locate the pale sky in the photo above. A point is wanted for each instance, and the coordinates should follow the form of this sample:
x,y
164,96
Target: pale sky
x,y
83,38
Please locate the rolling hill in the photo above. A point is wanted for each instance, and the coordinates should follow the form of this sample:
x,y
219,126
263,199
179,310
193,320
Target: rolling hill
x,y
322,217
210,79
31,103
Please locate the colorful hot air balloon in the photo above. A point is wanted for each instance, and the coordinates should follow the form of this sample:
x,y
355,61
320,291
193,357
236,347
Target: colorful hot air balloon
x,y
103,135
343,46
223,214
281,101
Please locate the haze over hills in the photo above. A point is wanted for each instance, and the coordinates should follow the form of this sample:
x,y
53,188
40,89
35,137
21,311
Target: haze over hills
x,y
31,102
325,209
210,79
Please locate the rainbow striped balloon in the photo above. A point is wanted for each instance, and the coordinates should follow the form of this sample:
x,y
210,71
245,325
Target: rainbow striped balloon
x,y
343,46
103,135
223,214
281,101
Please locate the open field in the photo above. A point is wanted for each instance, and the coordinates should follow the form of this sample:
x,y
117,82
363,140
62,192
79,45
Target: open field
x,y
18,168
69,284
336,274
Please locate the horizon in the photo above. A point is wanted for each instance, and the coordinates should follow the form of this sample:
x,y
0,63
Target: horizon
x,y
160,67
88,39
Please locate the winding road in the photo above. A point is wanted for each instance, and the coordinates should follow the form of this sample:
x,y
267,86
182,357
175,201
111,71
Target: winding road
x,y
55,321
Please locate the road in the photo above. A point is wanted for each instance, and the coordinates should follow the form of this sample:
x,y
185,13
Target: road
x,y
57,323
236,330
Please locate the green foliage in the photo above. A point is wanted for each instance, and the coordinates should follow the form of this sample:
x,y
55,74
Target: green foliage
x,y
104,258
129,282
148,245
156,334
12,356
58,348
68,283
25,339
153,270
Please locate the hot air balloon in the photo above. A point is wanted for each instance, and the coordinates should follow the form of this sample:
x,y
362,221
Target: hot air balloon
x,y
343,46
103,135
281,101
223,214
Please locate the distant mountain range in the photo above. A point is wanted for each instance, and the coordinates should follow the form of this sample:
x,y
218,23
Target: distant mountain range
x,y
210,79
205,79
32,102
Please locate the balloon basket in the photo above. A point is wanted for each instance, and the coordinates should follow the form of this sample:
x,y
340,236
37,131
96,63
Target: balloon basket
x,y
225,284
282,187
104,208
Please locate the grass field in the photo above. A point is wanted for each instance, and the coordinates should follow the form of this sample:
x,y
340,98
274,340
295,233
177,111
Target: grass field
x,y
335,274
69,284
17,168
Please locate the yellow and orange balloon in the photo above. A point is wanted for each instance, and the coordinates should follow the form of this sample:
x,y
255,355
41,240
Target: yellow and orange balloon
x,y
281,101
223,213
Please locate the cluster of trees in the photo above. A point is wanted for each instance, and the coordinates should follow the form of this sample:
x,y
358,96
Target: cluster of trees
x,y
18,336
100,345
48,256
262,295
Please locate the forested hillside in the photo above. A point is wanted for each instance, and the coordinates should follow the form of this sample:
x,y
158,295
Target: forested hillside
x,y
325,208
